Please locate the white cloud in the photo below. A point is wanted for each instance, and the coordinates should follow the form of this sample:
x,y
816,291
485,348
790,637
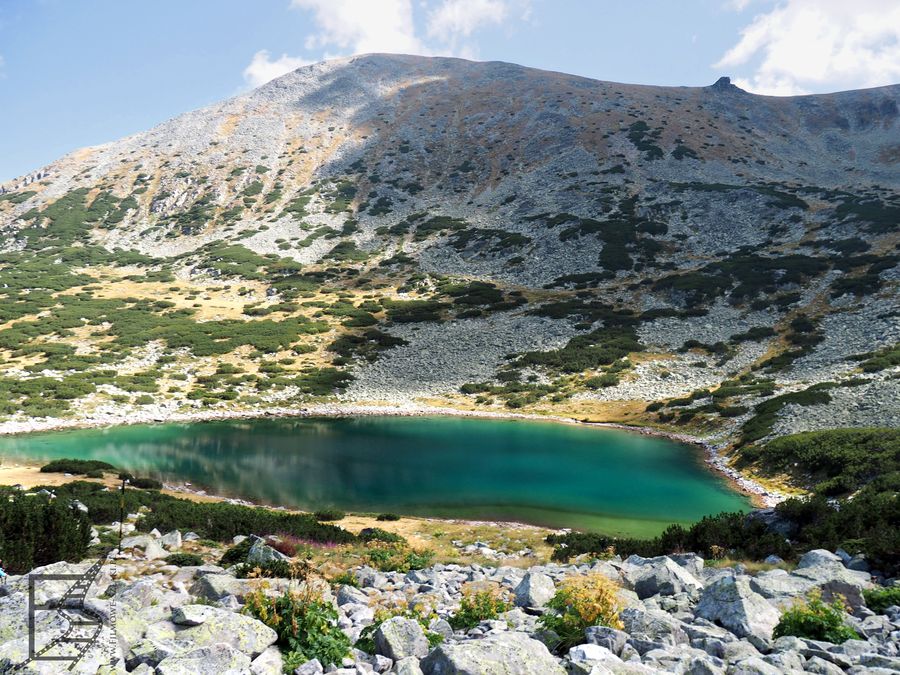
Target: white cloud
x,y
263,68
363,26
345,27
804,46
462,17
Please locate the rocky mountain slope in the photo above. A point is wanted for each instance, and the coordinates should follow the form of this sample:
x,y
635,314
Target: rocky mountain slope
x,y
481,235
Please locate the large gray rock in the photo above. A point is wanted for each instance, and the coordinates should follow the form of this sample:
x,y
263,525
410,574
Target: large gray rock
x,y
244,633
753,666
835,580
731,603
347,595
611,638
819,558
663,576
216,659
590,658
171,540
500,654
261,553
535,590
399,637
217,586
153,551
407,666
311,667
653,627
267,663
193,615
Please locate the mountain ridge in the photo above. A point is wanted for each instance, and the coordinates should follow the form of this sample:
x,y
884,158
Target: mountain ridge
x,y
482,235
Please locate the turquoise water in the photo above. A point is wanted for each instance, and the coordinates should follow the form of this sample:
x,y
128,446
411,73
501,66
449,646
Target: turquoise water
x,y
539,472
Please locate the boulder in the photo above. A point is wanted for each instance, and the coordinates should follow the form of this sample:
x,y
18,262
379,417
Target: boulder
x,y
217,586
836,580
819,558
610,638
215,659
399,637
663,576
535,590
587,657
350,595
507,653
153,551
171,540
753,666
261,553
242,632
311,667
692,562
652,626
193,615
267,663
407,666
731,603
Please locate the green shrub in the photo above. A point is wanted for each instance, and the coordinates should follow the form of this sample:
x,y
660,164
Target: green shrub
x,y
853,456
815,620
477,605
580,602
36,530
377,534
732,532
236,554
146,483
387,516
184,560
280,569
417,613
394,558
94,474
306,625
79,466
879,599
329,515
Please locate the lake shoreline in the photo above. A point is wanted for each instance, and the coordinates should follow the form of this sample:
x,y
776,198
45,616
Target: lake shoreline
x,y
759,495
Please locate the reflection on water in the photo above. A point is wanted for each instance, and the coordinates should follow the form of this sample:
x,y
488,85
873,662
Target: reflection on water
x,y
553,474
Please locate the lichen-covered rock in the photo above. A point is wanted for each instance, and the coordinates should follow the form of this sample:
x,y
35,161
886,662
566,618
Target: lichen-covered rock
x,y
215,659
501,654
244,633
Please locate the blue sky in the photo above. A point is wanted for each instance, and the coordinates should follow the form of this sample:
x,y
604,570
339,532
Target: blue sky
x,y
82,72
